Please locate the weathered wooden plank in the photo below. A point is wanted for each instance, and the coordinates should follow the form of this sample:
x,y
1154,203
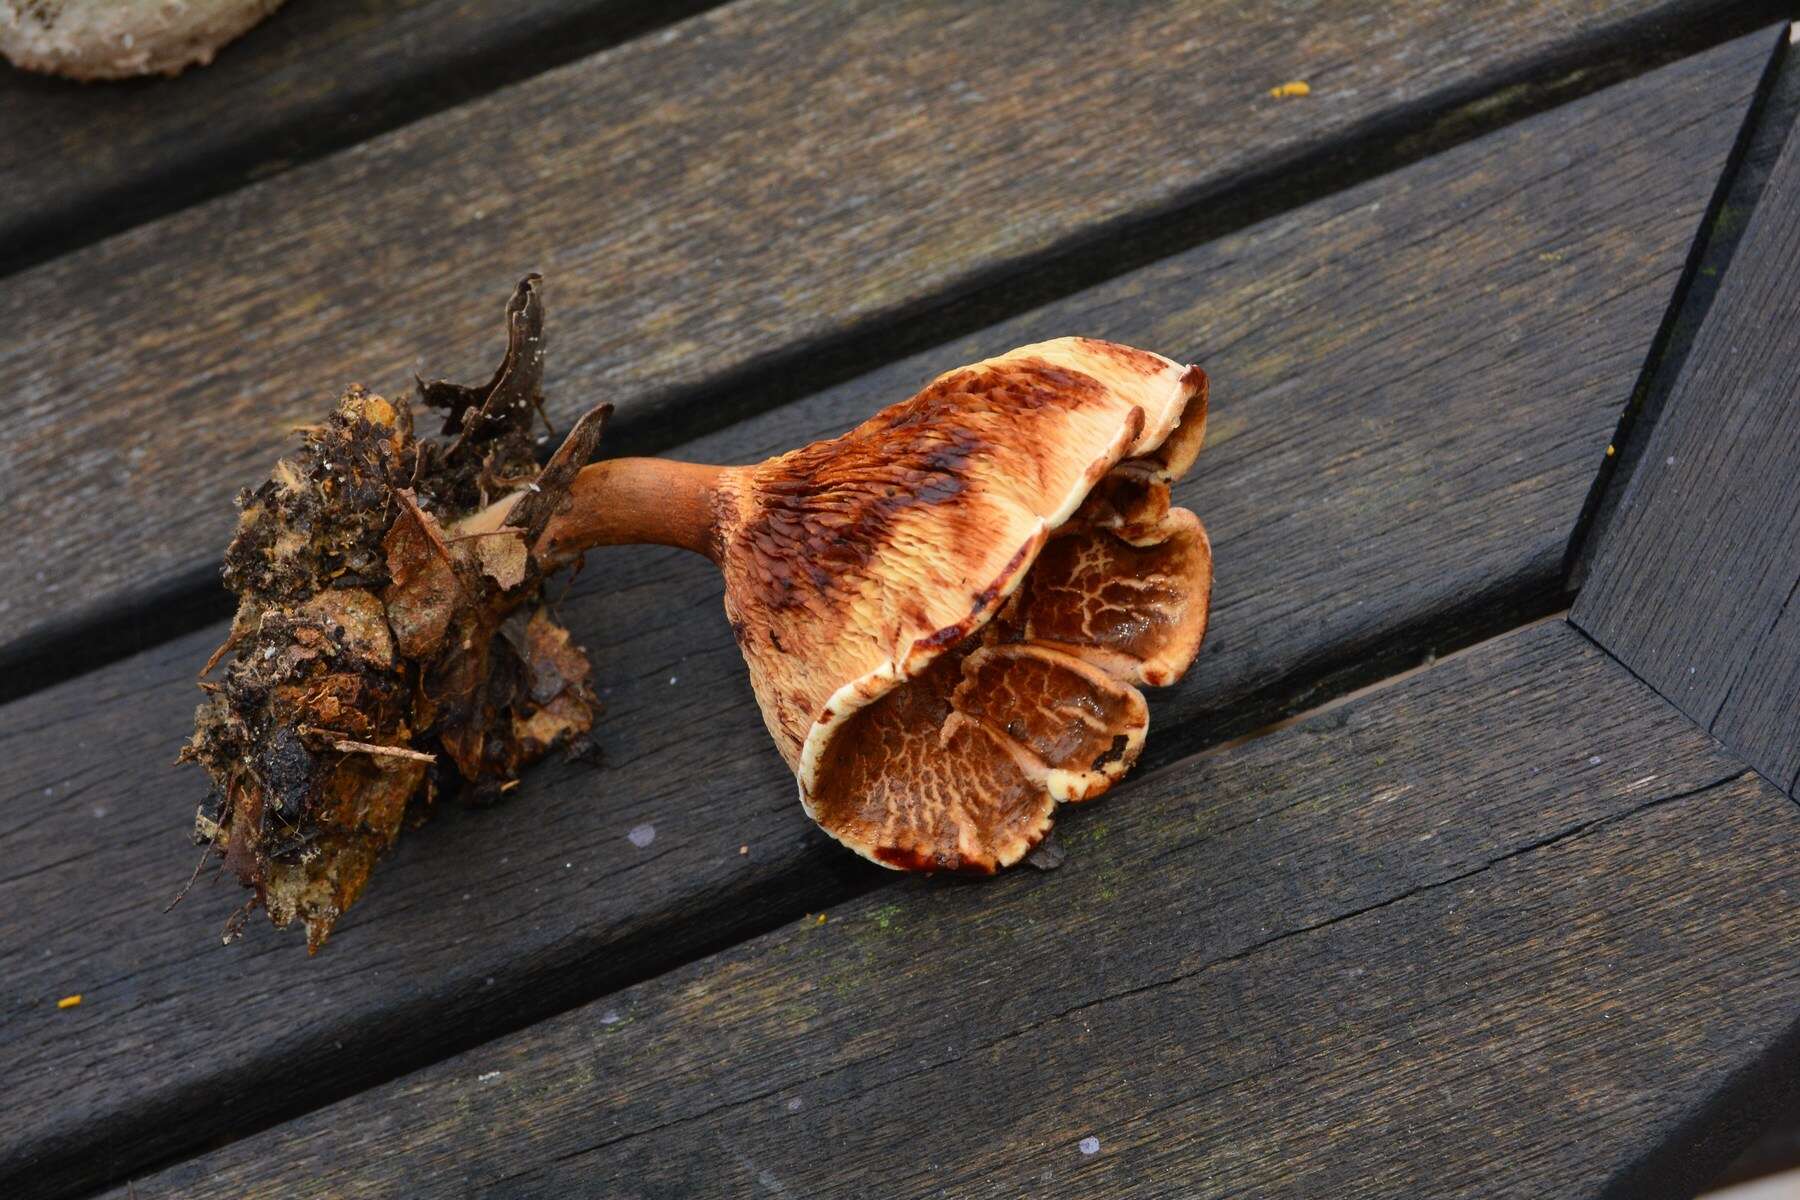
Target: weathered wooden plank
x,y
1777,108
78,162
1695,588
1414,381
732,194
1489,931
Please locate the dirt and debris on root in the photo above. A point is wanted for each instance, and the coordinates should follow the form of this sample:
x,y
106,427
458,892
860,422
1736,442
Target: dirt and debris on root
x,y
379,661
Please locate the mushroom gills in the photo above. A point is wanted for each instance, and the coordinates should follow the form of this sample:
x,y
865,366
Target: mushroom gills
x,y
962,768
1069,726
1130,598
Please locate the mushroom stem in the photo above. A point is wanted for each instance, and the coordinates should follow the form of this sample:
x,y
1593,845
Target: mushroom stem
x,y
621,501
626,500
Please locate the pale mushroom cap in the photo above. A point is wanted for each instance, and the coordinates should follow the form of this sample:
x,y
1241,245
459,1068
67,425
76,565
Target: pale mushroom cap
x,y
854,565
117,39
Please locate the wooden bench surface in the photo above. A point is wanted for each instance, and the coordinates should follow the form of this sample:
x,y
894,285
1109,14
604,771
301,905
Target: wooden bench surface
x,y
721,205
80,161
1370,955
1409,932
1697,589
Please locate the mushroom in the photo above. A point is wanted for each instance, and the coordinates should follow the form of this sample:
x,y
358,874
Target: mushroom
x,y
947,612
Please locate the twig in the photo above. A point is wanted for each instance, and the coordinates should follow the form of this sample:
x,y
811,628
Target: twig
x,y
182,894
340,742
463,537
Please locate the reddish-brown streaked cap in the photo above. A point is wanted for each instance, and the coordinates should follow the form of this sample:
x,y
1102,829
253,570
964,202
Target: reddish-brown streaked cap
x,y
946,611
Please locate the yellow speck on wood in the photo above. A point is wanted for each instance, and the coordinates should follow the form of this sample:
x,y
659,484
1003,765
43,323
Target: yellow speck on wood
x,y
1298,87
821,919
1609,450
69,1001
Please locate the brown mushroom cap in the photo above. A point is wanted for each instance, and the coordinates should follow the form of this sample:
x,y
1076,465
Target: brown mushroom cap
x,y
946,611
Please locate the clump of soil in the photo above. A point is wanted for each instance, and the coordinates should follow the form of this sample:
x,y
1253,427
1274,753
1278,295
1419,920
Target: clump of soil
x,y
378,659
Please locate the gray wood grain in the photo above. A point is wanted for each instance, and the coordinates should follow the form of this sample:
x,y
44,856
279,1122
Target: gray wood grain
x,y
730,194
1696,586
1776,110
1414,381
78,161
1484,932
